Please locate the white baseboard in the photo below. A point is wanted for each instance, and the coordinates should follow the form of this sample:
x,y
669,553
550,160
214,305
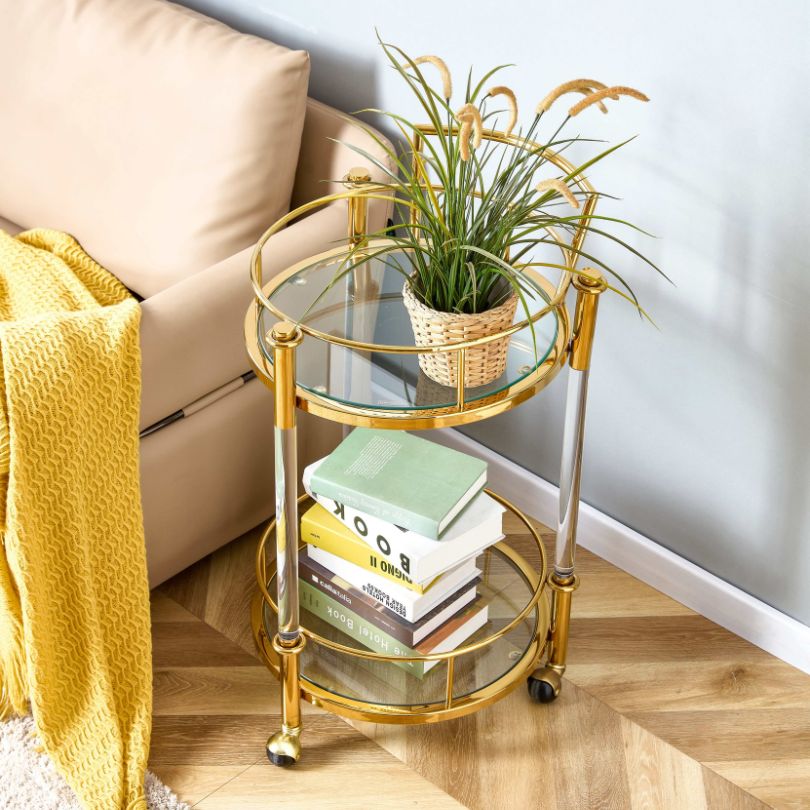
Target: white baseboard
x,y
705,593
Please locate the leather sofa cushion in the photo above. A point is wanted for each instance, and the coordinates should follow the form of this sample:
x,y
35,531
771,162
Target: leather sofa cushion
x,y
162,140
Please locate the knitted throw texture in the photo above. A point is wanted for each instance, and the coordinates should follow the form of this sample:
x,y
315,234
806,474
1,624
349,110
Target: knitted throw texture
x,y
74,601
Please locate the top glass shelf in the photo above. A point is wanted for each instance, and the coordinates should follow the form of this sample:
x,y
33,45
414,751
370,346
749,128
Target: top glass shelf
x,y
365,305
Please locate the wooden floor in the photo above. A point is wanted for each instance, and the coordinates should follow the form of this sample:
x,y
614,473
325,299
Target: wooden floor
x,y
660,709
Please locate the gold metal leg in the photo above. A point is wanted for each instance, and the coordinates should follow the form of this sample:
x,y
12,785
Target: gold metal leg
x,y
284,747
545,683
357,180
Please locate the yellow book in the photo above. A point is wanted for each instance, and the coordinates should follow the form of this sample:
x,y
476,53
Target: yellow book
x,y
325,531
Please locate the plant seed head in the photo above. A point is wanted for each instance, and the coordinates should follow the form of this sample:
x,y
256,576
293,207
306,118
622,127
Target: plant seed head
x,y
502,90
608,92
464,138
469,112
585,86
560,187
439,64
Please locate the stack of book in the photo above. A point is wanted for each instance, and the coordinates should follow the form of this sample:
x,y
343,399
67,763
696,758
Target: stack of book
x,y
392,541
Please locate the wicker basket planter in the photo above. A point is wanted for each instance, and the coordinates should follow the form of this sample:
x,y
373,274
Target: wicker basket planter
x,y
484,364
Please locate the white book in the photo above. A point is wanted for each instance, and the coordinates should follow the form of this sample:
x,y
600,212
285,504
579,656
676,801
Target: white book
x,y
421,558
409,604
461,601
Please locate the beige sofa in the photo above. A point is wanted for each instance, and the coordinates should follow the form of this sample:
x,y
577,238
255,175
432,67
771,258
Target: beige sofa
x,y
166,142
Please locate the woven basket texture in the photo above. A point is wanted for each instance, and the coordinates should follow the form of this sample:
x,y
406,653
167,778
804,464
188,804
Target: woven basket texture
x,y
484,364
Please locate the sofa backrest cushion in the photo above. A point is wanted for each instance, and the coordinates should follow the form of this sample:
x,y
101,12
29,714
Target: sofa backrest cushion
x,y
162,140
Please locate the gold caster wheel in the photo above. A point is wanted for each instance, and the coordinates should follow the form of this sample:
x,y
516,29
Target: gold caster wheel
x,y
284,747
544,685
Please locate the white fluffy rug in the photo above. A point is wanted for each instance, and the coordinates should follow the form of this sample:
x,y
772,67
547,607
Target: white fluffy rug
x,y
29,780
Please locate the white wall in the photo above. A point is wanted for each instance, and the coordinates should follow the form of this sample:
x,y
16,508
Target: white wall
x,y
698,434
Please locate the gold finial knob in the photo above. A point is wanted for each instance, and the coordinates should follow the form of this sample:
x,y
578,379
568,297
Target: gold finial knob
x,y
284,332
359,174
590,279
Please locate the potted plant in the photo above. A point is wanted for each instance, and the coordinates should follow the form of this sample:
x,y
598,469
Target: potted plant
x,y
474,207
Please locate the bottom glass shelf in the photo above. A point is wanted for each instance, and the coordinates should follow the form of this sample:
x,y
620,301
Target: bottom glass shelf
x,y
370,688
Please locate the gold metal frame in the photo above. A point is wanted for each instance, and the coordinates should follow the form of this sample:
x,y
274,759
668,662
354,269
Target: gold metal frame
x,y
463,412
552,590
360,190
450,707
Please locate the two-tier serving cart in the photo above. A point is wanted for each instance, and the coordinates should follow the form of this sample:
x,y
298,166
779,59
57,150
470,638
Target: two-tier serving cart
x,y
335,341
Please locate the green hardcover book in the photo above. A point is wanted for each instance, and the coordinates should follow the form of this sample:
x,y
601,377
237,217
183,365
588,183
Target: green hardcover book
x,y
452,634
400,478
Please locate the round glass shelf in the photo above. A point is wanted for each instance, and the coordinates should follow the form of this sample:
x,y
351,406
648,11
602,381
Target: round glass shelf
x,y
362,685
365,305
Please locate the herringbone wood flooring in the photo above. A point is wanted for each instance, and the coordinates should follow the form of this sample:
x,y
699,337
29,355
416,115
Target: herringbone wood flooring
x,y
660,709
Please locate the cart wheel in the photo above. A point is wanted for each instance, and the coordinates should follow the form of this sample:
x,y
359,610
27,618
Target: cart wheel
x,y
284,747
280,760
544,685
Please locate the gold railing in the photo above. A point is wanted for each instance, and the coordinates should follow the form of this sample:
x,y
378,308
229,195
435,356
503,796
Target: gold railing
x,y
450,706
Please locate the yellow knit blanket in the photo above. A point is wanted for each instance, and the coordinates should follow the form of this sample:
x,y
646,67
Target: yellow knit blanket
x,y
74,600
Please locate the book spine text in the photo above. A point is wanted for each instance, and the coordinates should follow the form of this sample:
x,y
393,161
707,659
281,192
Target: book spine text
x,y
361,555
362,631
386,539
363,605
